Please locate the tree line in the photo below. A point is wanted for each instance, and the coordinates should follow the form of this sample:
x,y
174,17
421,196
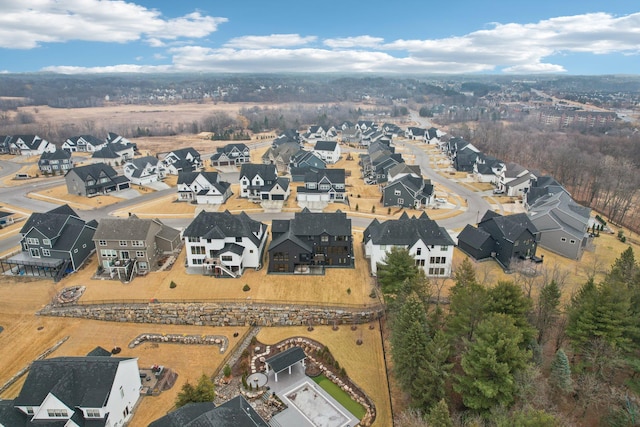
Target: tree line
x,y
500,355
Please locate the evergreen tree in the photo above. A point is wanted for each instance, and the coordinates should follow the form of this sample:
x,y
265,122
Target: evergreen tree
x,y
528,417
204,391
439,416
398,266
430,381
490,362
464,275
409,339
507,298
466,310
624,270
546,311
186,395
560,376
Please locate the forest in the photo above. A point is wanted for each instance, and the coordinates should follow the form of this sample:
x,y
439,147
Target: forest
x,y
502,354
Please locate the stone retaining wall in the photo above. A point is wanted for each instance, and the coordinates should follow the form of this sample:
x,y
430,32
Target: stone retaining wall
x,y
212,314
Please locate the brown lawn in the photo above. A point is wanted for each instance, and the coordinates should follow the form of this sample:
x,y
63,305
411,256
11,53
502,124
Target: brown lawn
x,y
60,195
364,364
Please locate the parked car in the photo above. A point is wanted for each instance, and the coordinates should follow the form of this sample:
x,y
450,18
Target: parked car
x,y
370,181
441,200
498,191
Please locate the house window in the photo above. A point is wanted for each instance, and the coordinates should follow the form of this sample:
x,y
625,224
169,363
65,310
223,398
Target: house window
x,y
198,250
324,238
573,242
93,413
57,413
33,241
196,261
75,251
193,239
108,253
46,252
123,243
29,410
419,251
84,246
419,263
143,266
137,243
227,258
238,239
46,242
121,392
124,254
401,201
397,192
140,254
383,247
281,256
563,239
102,242
444,248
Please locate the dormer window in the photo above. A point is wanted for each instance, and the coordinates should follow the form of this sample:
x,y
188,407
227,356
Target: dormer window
x,y
93,413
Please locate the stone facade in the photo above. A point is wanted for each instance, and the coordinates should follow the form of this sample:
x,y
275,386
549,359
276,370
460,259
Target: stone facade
x,y
218,314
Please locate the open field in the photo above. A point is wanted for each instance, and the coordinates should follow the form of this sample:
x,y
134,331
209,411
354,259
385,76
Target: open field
x,y
364,364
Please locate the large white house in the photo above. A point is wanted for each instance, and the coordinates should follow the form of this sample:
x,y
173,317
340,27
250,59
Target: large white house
x,y
329,151
143,170
429,244
77,391
205,188
223,245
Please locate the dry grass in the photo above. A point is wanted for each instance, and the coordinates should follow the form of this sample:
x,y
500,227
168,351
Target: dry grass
x,y
328,289
159,208
60,195
364,364
479,186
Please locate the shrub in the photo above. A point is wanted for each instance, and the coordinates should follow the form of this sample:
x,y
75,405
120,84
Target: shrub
x,y
357,207
226,370
373,209
349,291
172,284
246,288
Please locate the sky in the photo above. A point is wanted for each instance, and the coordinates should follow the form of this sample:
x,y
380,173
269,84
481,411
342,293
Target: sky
x,y
577,37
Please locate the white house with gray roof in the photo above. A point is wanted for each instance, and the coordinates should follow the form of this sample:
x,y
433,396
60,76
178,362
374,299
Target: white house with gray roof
x,y
428,243
143,170
329,151
204,188
223,245
75,392
260,182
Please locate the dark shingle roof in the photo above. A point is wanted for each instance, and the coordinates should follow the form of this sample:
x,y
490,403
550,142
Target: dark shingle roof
x,y
129,228
325,146
55,155
308,223
49,223
266,172
99,351
474,237
76,381
407,231
94,170
286,358
218,225
236,412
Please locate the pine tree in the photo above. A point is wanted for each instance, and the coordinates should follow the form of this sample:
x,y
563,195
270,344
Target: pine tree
x,y
186,395
466,310
490,362
409,338
397,267
439,416
430,381
560,376
507,298
546,312
464,275
204,391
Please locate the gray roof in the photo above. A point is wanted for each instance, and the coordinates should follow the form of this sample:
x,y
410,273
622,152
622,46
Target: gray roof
x,y
266,172
286,358
474,237
55,155
407,231
335,176
183,152
308,223
219,225
510,227
76,381
325,146
129,228
94,170
189,177
236,412
61,221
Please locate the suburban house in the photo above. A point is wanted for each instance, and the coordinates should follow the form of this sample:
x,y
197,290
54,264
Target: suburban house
x,y
381,162
261,182
126,246
114,153
82,144
143,170
30,145
306,159
289,135
54,243
503,238
280,155
182,160
323,185
329,151
465,159
315,132
236,412
408,191
223,245
76,392
433,135
311,239
415,133
6,147
403,169
231,155
204,188
365,125
514,180
351,135
95,179
370,136
55,162
541,186
561,223
391,130
487,168
429,244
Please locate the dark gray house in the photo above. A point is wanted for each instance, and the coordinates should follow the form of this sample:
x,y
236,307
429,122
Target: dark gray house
x,y
56,162
231,155
408,192
95,179
503,238
54,243
311,239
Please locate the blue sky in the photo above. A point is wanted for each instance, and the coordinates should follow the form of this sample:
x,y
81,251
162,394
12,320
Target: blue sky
x,y
255,36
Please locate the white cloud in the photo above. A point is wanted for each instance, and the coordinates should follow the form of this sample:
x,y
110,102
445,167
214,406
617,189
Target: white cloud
x,y
510,47
25,24
360,42
273,40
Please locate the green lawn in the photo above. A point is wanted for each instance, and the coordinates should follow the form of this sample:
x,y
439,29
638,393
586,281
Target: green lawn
x,y
341,396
